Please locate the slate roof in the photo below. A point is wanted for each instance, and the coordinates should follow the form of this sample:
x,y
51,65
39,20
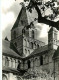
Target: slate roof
x,y
20,17
56,54
6,50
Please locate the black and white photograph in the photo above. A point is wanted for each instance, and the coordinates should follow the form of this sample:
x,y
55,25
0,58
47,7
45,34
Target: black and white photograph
x,y
30,39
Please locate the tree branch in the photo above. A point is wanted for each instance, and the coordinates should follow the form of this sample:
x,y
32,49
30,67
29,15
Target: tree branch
x,y
41,19
44,20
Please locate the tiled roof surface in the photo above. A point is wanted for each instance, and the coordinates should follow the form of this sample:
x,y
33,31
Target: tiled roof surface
x,y
7,50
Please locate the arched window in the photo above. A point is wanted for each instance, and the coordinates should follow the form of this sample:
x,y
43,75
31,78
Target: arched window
x,y
4,77
31,45
19,64
6,61
32,34
41,60
34,45
28,62
14,34
28,51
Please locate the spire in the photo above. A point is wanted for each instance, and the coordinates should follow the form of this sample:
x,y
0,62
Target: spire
x,y
17,20
21,19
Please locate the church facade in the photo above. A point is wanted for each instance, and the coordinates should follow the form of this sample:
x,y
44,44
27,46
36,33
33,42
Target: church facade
x,y
27,58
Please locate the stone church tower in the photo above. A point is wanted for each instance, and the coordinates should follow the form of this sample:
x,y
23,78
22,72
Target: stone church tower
x,y
52,38
23,34
16,31
30,41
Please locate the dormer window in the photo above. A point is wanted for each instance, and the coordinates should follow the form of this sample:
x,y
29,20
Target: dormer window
x,y
14,34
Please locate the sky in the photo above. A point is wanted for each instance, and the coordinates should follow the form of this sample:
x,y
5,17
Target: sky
x,y
10,11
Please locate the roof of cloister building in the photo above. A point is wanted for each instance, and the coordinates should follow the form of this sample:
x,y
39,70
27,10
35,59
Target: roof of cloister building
x,y
9,49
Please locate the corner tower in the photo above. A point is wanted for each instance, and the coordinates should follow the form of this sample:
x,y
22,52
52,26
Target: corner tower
x,y
52,38
16,31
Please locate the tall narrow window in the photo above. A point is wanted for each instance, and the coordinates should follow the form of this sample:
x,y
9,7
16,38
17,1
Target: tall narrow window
x,y
32,34
14,34
41,60
25,51
28,64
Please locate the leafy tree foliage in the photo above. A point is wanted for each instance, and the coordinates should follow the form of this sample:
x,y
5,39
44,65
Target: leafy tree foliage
x,y
41,6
